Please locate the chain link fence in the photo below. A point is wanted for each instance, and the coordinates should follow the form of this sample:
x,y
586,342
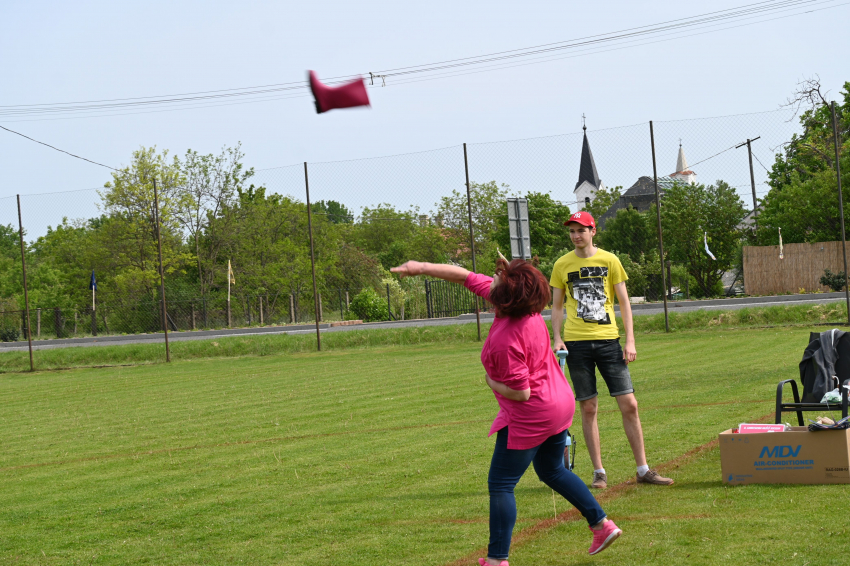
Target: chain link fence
x,y
238,248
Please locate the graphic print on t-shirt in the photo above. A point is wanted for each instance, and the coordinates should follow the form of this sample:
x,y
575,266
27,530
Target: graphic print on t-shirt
x,y
587,286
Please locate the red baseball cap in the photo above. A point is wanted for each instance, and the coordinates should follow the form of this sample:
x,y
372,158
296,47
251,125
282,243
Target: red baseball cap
x,y
582,217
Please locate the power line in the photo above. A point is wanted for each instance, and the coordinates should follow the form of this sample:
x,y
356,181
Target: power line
x,y
760,163
57,149
712,157
441,69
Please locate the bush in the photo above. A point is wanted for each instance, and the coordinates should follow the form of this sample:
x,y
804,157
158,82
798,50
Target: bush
x,y
834,281
9,334
369,306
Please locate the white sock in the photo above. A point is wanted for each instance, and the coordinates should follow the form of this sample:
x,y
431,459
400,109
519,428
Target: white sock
x,y
641,470
602,471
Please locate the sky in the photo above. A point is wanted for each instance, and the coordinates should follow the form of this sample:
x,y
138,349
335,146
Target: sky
x,y
60,52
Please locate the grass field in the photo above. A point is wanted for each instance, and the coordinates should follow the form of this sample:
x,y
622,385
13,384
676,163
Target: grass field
x,y
379,455
788,316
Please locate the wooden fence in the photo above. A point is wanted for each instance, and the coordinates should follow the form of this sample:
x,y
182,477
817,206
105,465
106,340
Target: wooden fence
x,y
799,271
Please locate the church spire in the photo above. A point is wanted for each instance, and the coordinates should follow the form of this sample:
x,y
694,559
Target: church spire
x,y
683,173
587,168
681,162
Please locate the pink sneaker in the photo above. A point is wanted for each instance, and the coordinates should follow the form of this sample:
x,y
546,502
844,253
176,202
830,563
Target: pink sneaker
x,y
483,562
603,538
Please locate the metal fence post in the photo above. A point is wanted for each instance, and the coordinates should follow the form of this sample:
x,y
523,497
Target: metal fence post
x,y
840,207
472,235
161,275
658,214
26,294
389,305
312,259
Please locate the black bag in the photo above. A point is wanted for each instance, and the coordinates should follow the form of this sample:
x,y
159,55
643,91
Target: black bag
x,y
826,357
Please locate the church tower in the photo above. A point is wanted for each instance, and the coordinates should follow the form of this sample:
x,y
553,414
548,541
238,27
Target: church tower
x,y
588,179
683,174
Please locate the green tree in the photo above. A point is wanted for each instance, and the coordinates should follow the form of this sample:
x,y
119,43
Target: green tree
x,y
688,212
604,199
10,244
546,216
267,240
803,196
128,234
336,212
630,232
384,232
209,183
488,204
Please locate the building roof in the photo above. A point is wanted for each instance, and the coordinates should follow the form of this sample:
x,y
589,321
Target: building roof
x,y
587,169
640,196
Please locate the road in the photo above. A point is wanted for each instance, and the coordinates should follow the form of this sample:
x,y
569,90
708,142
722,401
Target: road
x,y
637,309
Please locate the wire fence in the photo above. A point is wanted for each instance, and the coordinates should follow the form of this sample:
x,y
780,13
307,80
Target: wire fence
x,y
242,248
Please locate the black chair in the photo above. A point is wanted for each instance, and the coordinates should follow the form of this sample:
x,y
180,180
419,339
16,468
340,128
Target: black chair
x,y
842,371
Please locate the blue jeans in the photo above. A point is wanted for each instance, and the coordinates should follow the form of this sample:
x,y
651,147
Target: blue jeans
x,y
508,466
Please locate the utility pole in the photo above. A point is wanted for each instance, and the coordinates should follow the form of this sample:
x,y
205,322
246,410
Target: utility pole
x,y
752,176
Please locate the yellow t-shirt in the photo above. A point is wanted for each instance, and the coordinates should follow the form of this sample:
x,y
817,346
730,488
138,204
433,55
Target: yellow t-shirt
x,y
589,291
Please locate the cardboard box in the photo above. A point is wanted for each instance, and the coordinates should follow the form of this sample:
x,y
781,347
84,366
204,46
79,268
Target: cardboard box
x,y
794,456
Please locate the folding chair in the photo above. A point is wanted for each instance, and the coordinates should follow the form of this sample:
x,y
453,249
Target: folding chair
x,y
842,371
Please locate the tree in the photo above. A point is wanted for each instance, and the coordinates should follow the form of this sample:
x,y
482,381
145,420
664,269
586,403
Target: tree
x,y
267,240
336,212
546,216
10,244
384,231
603,200
209,184
803,198
630,232
128,234
688,212
488,204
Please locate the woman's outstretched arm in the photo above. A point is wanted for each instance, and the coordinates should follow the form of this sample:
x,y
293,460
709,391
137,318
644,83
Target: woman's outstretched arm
x,y
450,273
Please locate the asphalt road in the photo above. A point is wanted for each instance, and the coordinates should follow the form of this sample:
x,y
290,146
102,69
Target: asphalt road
x,y
637,309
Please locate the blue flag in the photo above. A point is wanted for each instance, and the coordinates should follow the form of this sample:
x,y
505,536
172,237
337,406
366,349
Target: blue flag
x,y
93,282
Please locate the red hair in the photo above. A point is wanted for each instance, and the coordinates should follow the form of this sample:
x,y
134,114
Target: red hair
x,y
522,289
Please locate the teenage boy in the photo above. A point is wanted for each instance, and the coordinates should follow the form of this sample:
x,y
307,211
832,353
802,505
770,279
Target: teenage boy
x,y
589,277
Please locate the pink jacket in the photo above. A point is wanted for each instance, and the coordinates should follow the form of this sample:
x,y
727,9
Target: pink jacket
x,y
518,353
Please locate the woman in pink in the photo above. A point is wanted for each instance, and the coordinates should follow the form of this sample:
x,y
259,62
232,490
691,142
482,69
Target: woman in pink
x,y
536,404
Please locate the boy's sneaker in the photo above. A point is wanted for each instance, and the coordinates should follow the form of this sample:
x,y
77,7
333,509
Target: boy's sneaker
x,y
652,477
603,538
600,480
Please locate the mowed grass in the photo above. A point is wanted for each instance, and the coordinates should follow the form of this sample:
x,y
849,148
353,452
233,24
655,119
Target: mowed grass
x,y
379,456
790,316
